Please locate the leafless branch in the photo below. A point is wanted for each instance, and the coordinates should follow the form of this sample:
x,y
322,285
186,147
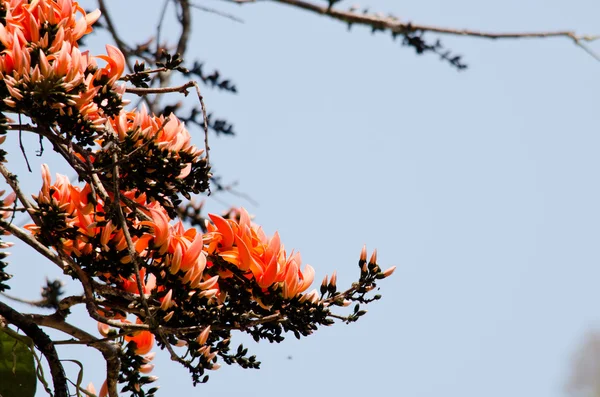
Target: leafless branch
x,y
397,26
160,90
217,12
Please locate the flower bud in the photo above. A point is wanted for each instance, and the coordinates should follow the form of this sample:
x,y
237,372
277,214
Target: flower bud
x,y
166,303
103,329
149,357
176,260
373,259
313,296
203,337
363,255
208,284
324,285
333,279
188,276
389,271
169,316
209,293
196,280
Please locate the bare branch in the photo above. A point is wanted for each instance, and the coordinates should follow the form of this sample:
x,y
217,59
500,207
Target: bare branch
x,y
31,241
160,90
217,12
395,25
11,179
185,19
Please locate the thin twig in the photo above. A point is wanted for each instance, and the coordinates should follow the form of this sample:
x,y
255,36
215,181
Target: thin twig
x,y
217,12
28,239
23,147
160,90
159,25
23,127
185,19
206,147
38,303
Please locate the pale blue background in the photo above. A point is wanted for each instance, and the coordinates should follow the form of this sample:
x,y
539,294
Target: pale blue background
x,y
481,186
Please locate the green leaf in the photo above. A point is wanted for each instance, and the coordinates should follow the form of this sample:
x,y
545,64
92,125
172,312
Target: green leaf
x,y
17,368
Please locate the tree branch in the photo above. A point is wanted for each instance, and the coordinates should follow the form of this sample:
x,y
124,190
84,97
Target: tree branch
x,y
396,26
43,343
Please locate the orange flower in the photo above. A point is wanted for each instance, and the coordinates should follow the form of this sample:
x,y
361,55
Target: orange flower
x,y
45,74
140,126
245,245
144,341
31,21
116,64
103,389
7,202
130,284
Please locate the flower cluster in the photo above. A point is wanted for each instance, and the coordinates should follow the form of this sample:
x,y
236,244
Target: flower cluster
x,y
69,96
153,281
160,160
75,222
264,259
187,273
46,77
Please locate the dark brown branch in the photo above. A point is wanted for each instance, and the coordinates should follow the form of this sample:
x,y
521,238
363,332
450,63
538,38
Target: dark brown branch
x,y
22,127
56,321
185,19
395,25
204,115
31,241
160,24
110,351
43,343
160,90
11,179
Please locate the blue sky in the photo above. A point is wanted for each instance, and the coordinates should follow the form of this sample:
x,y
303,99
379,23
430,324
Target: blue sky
x,y
480,186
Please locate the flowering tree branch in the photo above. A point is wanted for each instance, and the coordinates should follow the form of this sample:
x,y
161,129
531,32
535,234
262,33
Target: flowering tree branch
x,y
147,279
